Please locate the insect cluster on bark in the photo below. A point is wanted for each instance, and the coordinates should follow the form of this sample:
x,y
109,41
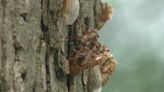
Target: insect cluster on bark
x,y
90,53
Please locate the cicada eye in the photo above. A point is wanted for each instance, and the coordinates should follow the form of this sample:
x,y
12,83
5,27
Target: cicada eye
x,y
70,11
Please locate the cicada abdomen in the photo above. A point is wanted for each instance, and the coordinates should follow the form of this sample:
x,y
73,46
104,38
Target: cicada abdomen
x,y
70,11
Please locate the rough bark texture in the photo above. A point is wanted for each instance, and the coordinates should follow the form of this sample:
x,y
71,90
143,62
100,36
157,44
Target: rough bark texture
x,y
34,46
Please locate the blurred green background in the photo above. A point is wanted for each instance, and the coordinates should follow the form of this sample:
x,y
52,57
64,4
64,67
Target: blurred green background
x,y
135,36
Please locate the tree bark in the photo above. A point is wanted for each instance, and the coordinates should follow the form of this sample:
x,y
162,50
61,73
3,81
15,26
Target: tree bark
x,y
34,46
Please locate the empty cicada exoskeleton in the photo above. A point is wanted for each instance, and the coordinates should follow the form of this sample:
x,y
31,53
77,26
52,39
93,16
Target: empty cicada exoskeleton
x,y
105,12
70,11
107,68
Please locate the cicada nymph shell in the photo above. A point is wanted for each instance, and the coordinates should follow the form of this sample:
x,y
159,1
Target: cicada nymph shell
x,y
105,13
70,11
107,68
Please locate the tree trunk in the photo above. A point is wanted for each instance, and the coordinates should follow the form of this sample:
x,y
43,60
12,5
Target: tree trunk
x,y
34,46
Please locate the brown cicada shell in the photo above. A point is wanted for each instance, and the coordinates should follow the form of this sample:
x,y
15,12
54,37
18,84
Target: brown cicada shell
x,y
105,13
